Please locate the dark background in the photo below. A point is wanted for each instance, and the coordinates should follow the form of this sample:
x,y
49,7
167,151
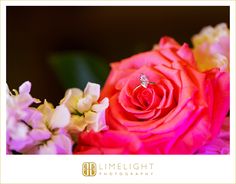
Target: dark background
x,y
35,33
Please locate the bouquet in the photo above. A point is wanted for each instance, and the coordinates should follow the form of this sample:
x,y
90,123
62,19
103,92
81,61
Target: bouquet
x,y
172,99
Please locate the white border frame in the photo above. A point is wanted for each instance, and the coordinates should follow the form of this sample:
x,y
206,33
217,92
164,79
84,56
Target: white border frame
x,y
167,168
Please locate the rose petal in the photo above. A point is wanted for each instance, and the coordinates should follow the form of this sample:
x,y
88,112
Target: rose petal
x,y
110,140
186,54
168,42
128,66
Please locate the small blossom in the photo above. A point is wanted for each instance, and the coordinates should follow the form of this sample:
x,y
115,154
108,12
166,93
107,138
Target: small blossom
x,y
71,99
17,105
87,113
211,48
52,133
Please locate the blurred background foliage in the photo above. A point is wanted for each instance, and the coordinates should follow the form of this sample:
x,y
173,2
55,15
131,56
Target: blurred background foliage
x,y
75,69
60,47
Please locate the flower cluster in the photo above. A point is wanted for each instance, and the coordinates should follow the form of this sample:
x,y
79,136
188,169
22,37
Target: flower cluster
x,y
171,100
45,129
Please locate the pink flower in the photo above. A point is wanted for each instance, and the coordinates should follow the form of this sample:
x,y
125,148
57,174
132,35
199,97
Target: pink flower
x,y
49,133
18,104
36,131
18,113
165,101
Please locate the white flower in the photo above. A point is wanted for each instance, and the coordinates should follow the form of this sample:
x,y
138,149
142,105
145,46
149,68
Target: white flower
x,y
211,34
211,48
87,113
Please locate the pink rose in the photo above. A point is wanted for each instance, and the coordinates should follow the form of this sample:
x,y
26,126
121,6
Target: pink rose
x,y
176,110
108,142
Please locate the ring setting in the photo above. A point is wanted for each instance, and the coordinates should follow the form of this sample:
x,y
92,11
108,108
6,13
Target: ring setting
x,y
144,82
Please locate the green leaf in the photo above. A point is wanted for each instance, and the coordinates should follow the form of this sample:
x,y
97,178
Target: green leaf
x,y
75,69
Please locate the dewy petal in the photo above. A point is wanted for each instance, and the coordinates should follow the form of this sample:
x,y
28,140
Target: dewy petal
x,y
25,87
84,104
71,98
93,90
48,148
60,117
101,106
